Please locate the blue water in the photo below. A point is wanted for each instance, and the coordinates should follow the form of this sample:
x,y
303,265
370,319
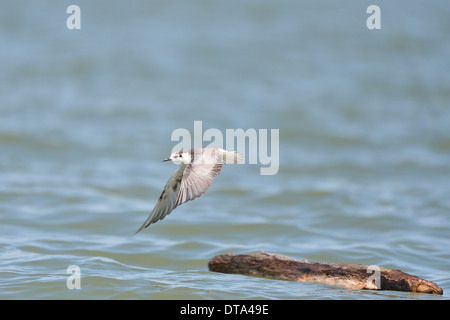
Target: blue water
x,y
87,116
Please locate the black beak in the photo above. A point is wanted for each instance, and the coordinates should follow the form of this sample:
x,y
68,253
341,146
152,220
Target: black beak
x,y
168,159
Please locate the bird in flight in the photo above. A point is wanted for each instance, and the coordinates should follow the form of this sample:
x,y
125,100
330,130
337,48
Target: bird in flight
x,y
198,169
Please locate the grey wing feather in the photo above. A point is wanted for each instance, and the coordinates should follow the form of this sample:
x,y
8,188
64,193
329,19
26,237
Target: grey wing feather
x,y
168,200
196,180
198,176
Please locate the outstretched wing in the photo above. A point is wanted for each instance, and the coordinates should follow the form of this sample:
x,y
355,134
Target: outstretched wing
x,y
199,174
168,200
196,180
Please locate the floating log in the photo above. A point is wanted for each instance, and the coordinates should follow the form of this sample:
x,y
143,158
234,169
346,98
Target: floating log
x,y
348,276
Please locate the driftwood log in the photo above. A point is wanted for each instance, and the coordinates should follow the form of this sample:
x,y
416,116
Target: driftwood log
x,y
348,276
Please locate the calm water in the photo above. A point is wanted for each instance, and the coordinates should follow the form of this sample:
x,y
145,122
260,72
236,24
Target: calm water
x,y
87,116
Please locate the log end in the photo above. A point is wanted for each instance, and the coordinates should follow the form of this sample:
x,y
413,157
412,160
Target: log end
x,y
428,287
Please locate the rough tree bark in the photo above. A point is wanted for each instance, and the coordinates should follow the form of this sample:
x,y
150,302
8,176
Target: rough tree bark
x,y
349,276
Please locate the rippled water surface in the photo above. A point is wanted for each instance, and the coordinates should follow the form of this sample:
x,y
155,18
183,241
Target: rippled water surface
x,y
87,116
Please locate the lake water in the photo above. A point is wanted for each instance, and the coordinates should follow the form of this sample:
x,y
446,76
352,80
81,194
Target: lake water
x,y
86,117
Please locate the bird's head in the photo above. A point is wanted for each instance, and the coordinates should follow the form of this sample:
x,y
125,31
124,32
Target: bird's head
x,y
179,157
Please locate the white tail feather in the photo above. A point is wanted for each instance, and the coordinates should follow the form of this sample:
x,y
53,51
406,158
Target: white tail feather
x,y
232,157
